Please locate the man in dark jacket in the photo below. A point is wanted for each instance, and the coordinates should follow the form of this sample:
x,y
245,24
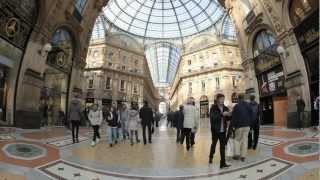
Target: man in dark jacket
x,y
253,141
146,116
75,115
179,123
218,112
241,121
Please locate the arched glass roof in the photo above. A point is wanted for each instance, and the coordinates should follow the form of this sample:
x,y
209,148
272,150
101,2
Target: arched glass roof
x,y
98,31
163,59
163,18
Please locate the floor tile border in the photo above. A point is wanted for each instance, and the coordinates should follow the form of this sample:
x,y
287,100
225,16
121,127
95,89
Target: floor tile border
x,y
115,174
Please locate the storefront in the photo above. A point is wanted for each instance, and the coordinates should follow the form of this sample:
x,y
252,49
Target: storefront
x,y
204,107
54,96
17,19
304,17
270,76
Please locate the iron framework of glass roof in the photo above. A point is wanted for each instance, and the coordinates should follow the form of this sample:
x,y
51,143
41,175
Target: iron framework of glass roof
x,y
163,59
163,18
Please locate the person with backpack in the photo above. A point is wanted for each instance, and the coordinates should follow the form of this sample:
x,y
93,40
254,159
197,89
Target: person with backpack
x,y
241,122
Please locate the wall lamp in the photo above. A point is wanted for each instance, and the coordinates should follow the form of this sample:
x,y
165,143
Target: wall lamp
x,y
45,50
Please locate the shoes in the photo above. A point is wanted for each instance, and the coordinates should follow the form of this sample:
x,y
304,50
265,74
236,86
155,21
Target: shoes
x,y
110,145
242,159
116,142
188,148
222,166
98,140
93,143
131,144
77,141
73,141
210,161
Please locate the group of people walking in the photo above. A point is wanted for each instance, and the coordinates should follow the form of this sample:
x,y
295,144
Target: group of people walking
x,y
235,126
122,123
238,126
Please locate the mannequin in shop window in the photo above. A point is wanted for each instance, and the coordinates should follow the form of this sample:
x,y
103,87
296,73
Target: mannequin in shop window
x,y
300,111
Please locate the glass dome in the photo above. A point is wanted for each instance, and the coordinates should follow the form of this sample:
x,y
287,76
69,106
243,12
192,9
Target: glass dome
x,y
163,59
163,18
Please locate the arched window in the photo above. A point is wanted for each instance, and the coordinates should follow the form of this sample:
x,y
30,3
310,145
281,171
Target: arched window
x,y
98,31
228,29
263,41
61,54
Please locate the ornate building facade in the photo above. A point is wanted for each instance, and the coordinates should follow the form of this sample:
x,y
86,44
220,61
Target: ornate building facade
x,y
279,42
117,72
42,50
209,65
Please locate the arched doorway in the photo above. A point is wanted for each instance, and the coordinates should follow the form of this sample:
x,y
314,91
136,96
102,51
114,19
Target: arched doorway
x,y
270,76
54,95
304,16
204,107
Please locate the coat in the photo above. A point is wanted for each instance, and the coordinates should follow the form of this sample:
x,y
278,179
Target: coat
x,y
75,113
146,115
112,119
255,114
191,117
180,119
124,115
216,118
133,120
95,117
241,115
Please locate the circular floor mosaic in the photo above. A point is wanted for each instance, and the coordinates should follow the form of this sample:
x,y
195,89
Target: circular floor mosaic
x,y
24,151
305,148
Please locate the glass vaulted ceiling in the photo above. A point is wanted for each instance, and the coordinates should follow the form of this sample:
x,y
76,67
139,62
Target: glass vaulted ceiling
x,y
163,18
163,59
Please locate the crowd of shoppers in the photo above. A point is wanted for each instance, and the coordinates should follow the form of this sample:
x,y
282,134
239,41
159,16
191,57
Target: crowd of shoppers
x,y
237,126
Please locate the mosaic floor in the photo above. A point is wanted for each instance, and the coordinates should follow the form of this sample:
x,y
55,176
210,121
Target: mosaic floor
x,y
282,154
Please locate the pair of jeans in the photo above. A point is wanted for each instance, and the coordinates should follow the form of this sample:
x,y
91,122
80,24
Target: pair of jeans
x,y
144,126
96,133
253,137
131,136
221,136
124,128
112,134
75,129
186,133
241,141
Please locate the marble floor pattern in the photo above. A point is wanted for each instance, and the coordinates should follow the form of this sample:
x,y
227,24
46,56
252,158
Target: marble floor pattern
x,y
282,154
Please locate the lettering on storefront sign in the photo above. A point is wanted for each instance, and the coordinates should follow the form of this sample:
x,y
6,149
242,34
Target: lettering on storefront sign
x,y
264,64
274,76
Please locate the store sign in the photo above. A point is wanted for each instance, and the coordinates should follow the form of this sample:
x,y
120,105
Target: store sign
x,y
272,76
266,62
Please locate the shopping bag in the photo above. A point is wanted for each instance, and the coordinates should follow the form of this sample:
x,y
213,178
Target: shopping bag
x,y
230,148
